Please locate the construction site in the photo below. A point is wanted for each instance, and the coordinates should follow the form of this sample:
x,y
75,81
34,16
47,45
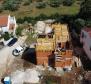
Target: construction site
x,y
53,55
55,49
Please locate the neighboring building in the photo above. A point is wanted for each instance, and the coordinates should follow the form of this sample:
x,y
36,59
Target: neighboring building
x,y
85,39
7,24
54,48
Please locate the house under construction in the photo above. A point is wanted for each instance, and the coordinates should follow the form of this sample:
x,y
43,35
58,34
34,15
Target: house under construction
x,y
54,48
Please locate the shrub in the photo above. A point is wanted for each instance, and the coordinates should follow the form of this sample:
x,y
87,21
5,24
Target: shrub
x,y
1,9
6,36
41,5
19,31
27,2
68,2
55,3
79,24
20,20
11,5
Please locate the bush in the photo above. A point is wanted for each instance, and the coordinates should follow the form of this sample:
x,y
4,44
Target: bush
x,y
40,5
55,3
41,17
20,20
88,23
39,0
19,31
28,19
79,24
68,2
27,2
1,9
11,5
6,36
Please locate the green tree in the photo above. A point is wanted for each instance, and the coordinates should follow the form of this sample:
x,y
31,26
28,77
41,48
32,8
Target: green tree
x,y
6,36
68,2
11,5
79,24
88,23
41,5
85,10
55,3
19,31
1,9
20,20
27,2
39,0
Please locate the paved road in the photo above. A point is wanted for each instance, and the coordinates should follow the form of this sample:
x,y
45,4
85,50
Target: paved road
x,y
6,57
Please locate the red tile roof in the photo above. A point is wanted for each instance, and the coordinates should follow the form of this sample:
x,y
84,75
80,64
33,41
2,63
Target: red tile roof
x,y
3,21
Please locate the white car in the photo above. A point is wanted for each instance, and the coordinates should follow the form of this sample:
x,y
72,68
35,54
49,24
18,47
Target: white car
x,y
18,51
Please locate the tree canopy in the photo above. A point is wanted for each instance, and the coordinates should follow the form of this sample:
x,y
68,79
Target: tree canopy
x,y
86,9
11,5
79,24
54,3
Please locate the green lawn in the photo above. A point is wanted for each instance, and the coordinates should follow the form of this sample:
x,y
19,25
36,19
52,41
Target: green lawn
x,y
33,12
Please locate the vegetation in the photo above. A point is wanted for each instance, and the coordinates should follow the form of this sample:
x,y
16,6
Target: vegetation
x,y
11,5
79,24
30,39
40,5
1,9
68,2
6,36
30,10
54,3
19,31
86,9
27,2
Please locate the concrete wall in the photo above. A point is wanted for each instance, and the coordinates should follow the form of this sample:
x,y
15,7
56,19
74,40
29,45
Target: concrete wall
x,y
43,57
86,43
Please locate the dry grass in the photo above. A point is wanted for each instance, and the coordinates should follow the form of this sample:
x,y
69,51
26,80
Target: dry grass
x,y
32,11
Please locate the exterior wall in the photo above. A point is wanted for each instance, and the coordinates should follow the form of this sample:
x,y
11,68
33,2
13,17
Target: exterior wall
x,y
87,50
43,57
5,29
15,26
65,59
86,43
12,20
64,63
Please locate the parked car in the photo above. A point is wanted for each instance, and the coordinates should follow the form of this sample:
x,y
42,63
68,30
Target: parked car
x,y
12,42
18,51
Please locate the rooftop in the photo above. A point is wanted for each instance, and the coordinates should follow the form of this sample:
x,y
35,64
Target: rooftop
x,y
3,21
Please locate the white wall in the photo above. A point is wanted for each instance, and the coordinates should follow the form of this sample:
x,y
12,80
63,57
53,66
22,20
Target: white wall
x,y
5,29
86,43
